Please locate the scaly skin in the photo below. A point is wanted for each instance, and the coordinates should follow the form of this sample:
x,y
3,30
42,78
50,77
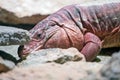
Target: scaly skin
x,y
87,28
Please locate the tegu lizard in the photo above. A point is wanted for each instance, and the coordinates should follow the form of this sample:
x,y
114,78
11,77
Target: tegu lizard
x,y
87,27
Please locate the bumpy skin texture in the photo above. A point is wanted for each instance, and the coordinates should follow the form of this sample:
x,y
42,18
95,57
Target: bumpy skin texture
x,y
87,28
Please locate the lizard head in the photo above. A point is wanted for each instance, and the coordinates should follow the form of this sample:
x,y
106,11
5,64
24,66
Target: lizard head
x,y
50,34
43,35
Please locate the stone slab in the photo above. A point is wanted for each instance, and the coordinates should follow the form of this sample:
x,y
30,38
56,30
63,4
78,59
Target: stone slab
x,y
6,65
57,55
13,36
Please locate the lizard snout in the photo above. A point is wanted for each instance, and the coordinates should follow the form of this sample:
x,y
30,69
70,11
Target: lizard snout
x,y
22,53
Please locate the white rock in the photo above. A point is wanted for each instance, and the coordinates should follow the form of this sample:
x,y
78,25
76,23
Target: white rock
x,y
13,36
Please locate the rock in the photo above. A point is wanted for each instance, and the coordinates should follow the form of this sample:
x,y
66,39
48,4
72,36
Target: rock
x,y
52,55
13,36
52,71
70,70
6,65
10,36
8,17
111,70
30,11
8,58
11,50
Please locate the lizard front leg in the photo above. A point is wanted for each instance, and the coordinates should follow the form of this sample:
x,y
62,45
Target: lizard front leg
x,y
92,46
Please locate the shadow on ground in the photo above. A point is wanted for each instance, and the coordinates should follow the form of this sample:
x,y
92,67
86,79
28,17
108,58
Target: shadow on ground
x,y
106,52
109,51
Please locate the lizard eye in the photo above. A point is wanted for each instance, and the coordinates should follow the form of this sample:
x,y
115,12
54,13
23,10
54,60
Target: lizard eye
x,y
39,35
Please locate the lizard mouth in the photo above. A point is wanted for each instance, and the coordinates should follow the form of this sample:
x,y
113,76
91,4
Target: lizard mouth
x,y
24,50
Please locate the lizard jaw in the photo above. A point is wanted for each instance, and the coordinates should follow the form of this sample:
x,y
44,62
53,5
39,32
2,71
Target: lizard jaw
x,y
24,50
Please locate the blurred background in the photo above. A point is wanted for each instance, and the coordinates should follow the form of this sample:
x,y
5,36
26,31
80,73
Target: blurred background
x,y
26,13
